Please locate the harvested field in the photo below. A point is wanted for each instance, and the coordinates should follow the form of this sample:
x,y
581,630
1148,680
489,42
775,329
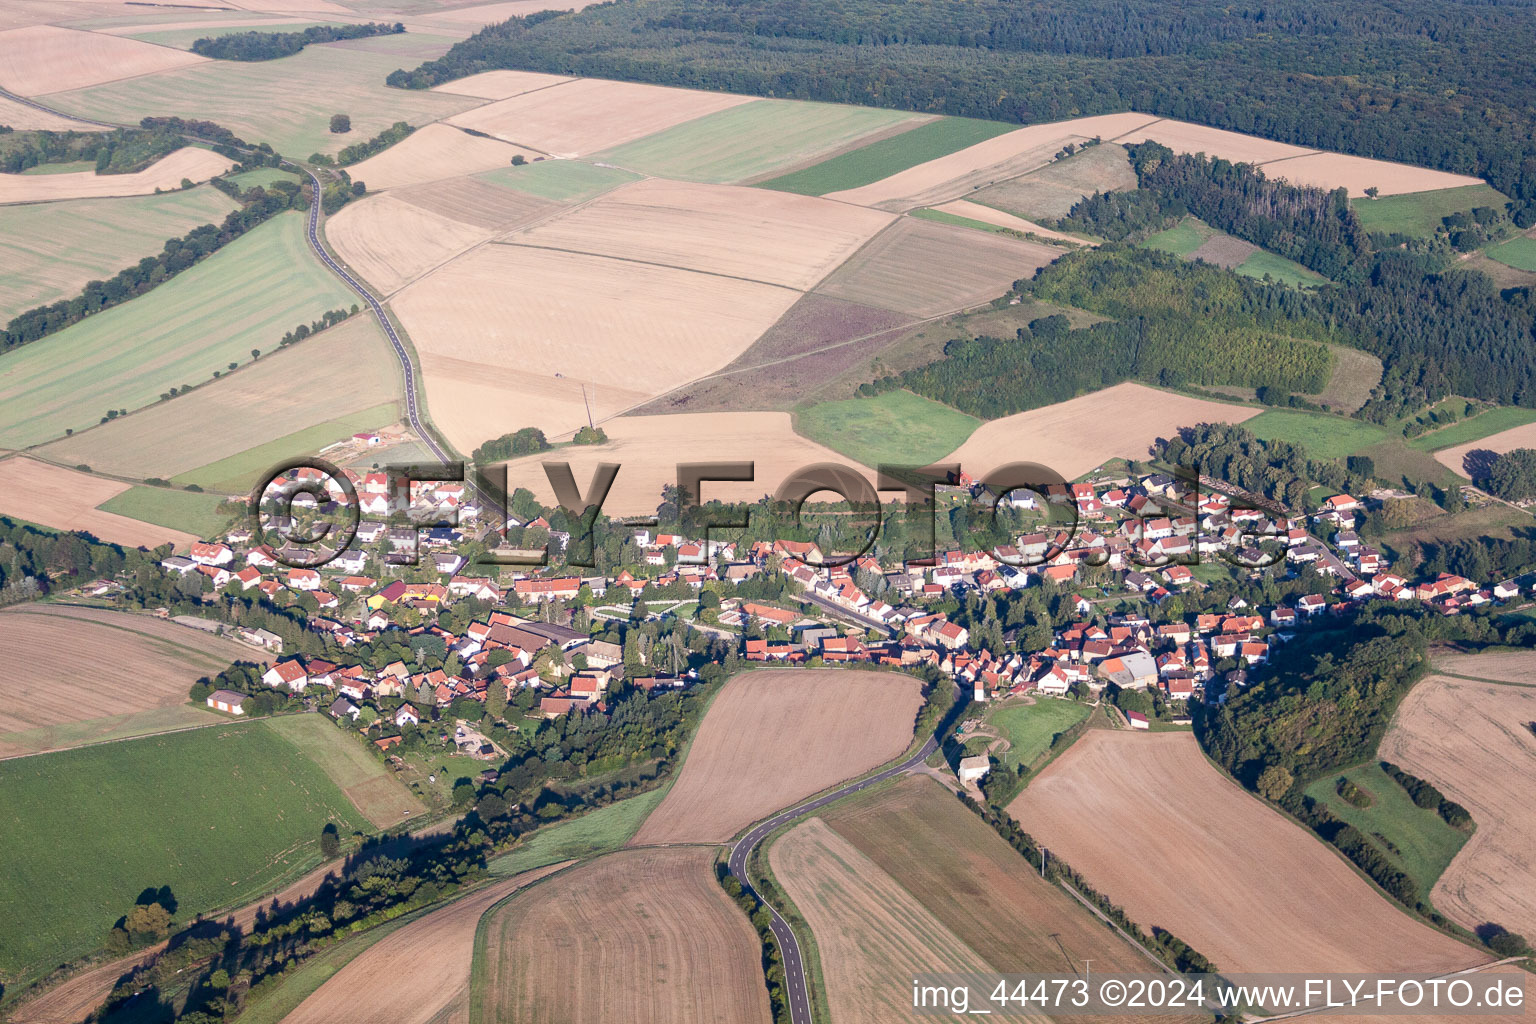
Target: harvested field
x,y
512,336
45,58
1475,743
66,499
986,163
749,233
754,139
417,972
238,473
165,174
924,268
24,118
263,284
590,114
1224,251
51,250
1139,815
1492,666
391,242
873,935
1463,458
775,736
471,18
1054,189
564,181
1077,435
1002,219
651,933
1184,137
650,447
500,85
1355,173
430,154
120,662
271,398
975,884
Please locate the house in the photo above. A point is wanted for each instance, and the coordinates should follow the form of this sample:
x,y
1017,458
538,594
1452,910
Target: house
x,y
263,638
350,561
407,714
248,577
303,579
287,674
342,706
227,701
1134,670
212,554
531,590
973,769
178,564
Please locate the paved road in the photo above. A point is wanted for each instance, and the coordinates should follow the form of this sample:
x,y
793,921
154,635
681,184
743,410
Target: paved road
x,y
794,964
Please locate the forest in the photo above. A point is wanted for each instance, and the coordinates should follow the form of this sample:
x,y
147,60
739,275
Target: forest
x,y
272,45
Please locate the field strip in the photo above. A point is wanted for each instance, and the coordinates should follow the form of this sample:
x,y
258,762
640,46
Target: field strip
x,y
647,263
1482,679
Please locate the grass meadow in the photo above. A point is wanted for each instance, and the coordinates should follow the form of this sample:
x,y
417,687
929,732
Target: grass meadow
x,y
888,156
1279,269
1475,428
187,511
237,474
1031,727
372,788
1420,213
752,139
49,251
220,815
1519,253
1323,435
896,427
599,831
244,297
1182,239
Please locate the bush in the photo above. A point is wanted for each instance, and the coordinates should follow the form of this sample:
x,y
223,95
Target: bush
x,y
340,124
1352,793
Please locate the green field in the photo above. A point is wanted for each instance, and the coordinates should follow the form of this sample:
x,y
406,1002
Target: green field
x,y
1324,436
564,181
886,157
221,815
287,102
1519,253
247,295
1031,727
752,139
66,167
896,427
960,222
187,511
1279,269
237,474
1424,843
1484,424
111,727
346,761
263,176
599,831
1182,239
1397,463
1420,213
50,250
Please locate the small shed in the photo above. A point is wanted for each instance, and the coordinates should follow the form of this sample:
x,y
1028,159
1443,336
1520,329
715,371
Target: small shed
x,y
974,768
227,701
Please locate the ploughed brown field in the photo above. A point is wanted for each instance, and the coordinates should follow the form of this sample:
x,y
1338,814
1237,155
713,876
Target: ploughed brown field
x,y
775,736
1475,743
640,936
1155,827
415,975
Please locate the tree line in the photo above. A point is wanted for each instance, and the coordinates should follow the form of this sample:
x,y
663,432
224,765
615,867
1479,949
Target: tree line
x,y
121,151
252,46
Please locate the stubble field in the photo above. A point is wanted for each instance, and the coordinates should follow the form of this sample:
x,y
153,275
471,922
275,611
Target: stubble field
x,y
164,175
44,59
118,666
1456,458
1475,742
67,499
775,736
432,153
500,85
646,936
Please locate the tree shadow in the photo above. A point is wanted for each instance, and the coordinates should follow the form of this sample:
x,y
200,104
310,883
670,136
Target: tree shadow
x,y
1478,463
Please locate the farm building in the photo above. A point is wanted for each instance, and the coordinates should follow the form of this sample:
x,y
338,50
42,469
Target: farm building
x,y
1138,720
227,701
974,768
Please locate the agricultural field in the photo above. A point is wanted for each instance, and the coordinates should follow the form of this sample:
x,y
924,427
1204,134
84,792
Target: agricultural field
x,y
44,59
988,162
287,103
430,154
1054,189
263,176
1519,253
51,250
651,934
873,936
1323,435
275,397
1456,457
164,175
1182,239
564,181
67,499
391,242
184,511
373,789
24,118
1474,428
1193,239
1030,728
587,115
601,831
887,156
140,666
236,474
1074,436
1416,840
991,219
416,972
775,736
220,815
897,427
924,269
1420,214
500,85
1475,743
263,284
650,447
755,139
1140,814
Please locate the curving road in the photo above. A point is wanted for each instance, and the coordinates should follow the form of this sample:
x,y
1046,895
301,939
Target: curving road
x,y
794,962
